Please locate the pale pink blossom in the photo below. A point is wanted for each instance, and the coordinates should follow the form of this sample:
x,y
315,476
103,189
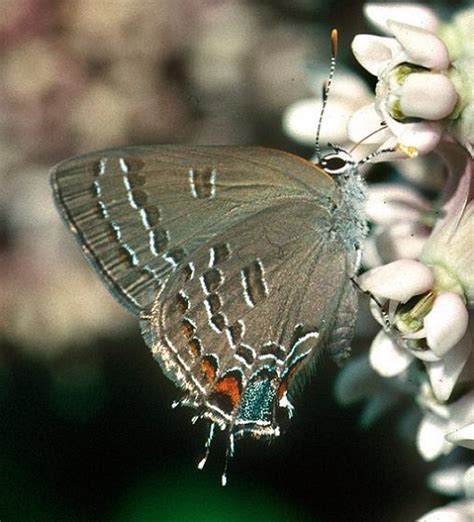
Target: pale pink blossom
x,y
449,251
348,94
460,511
440,421
434,329
399,217
358,381
453,480
417,14
419,93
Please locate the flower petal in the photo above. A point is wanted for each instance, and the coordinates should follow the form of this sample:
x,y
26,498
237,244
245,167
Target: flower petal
x,y
403,240
422,136
376,407
463,436
430,439
448,481
300,121
444,374
356,380
371,257
421,46
450,244
469,482
461,511
388,203
399,280
345,84
425,355
415,102
446,323
364,122
461,411
391,144
428,402
414,14
386,358
375,52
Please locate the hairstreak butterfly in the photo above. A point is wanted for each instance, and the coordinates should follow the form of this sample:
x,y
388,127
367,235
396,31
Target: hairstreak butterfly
x,y
237,260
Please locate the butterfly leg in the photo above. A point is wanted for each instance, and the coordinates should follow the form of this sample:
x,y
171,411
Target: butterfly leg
x,y
229,452
207,445
387,323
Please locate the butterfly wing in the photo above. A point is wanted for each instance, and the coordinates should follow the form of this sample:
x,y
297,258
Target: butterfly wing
x,y
137,212
225,253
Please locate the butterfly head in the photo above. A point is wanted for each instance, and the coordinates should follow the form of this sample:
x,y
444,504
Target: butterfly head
x,y
337,163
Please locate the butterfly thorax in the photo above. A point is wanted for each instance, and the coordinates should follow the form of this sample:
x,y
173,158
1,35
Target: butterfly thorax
x,y
351,224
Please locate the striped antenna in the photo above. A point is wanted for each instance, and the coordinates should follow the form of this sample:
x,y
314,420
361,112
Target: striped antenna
x,y
375,154
383,126
326,87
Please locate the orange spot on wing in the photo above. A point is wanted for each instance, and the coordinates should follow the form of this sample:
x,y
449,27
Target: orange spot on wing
x,y
208,369
282,389
194,347
284,384
229,386
187,329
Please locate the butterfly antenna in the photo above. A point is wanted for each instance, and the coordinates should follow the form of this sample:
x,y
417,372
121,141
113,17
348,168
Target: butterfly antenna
x,y
207,445
383,126
375,154
325,93
229,452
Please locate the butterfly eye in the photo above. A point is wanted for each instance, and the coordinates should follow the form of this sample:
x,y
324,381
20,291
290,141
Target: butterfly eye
x,y
333,163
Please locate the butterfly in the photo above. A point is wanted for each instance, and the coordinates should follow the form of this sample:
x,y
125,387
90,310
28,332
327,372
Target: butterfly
x,y
238,261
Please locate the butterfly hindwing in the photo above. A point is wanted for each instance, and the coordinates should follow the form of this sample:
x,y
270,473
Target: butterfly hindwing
x,y
256,306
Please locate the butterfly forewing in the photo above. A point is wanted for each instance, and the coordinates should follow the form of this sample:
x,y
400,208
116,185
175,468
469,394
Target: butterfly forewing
x,y
224,253
140,211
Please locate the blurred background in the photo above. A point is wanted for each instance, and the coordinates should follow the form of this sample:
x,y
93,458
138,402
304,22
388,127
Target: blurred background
x,y
86,428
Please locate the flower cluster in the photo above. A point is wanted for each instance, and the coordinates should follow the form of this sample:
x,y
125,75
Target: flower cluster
x,y
420,253
424,86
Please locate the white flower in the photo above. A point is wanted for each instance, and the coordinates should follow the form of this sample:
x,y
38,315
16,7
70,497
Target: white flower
x,y
461,511
457,35
450,249
458,38
441,422
348,94
468,482
425,324
358,381
399,216
419,90
454,480
419,15
427,301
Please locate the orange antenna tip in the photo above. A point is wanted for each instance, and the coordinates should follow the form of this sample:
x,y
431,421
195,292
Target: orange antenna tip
x,y
334,42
